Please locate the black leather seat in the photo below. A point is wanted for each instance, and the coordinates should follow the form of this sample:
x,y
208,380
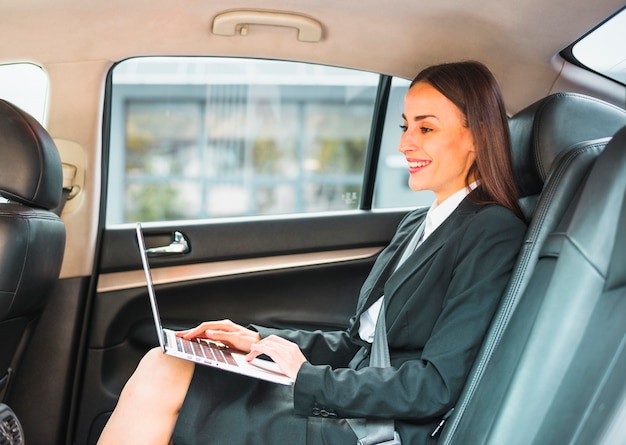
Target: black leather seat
x,y
32,237
557,376
555,142
548,130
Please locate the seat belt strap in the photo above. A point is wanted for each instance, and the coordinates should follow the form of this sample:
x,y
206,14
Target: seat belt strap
x,y
382,431
377,431
64,196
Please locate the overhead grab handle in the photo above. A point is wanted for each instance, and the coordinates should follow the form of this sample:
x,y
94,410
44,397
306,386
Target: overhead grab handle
x,y
229,23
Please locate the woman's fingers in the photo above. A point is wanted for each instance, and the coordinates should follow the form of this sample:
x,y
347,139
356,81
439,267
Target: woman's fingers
x,y
286,354
240,340
224,331
200,330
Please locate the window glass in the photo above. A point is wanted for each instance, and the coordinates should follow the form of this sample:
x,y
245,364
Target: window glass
x,y
603,49
195,138
26,86
392,181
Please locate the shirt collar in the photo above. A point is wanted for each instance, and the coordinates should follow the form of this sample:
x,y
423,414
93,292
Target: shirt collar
x,y
437,214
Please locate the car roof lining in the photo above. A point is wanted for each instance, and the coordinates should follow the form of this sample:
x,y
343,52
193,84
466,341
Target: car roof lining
x,y
513,40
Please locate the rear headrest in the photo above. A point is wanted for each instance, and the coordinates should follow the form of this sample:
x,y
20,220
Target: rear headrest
x,y
30,166
549,126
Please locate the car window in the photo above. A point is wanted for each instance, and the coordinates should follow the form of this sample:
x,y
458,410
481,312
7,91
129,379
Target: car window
x,y
197,138
26,86
600,51
194,138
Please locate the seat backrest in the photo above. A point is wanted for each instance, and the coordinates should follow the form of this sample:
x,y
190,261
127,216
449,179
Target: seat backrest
x,y
584,381
32,237
557,376
555,142
547,130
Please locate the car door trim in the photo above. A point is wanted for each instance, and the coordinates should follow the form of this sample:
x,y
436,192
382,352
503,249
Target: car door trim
x,y
131,279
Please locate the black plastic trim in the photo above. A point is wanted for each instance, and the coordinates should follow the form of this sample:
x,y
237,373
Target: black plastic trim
x,y
376,136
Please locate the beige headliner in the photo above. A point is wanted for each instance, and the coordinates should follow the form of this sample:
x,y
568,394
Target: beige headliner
x,y
76,41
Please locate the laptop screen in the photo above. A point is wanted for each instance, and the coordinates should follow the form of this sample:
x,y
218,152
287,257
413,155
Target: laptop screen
x,y
146,268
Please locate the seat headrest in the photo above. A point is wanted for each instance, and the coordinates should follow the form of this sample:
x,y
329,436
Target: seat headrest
x,y
30,166
540,132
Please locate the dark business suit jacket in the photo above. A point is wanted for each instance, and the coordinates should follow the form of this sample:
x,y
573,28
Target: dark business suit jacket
x,y
439,303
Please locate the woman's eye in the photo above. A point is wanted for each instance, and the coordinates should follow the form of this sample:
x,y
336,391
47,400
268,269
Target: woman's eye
x,y
404,128
426,129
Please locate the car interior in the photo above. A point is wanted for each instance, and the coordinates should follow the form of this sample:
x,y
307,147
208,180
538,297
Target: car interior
x,y
263,139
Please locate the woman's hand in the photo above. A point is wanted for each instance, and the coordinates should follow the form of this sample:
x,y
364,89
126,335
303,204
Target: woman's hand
x,y
286,354
225,331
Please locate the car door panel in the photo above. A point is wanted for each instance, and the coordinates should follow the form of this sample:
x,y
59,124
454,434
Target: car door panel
x,y
294,272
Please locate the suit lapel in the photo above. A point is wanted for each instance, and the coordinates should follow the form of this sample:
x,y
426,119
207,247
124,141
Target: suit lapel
x,y
428,248
385,264
384,280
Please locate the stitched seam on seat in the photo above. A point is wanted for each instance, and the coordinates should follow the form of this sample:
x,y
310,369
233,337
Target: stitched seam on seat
x,y
21,275
557,175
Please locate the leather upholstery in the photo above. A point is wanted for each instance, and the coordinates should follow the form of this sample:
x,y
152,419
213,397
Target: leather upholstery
x,y
32,238
557,375
556,165
543,130
31,171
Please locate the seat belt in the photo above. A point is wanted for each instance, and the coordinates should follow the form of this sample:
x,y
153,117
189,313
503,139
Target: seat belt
x,y
64,197
69,174
377,431
382,431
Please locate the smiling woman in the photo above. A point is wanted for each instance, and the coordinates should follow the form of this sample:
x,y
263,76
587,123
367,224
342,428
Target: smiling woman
x,y
437,142
432,293
474,124
267,139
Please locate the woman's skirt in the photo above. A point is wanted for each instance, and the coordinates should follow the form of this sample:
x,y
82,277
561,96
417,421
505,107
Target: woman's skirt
x,y
231,409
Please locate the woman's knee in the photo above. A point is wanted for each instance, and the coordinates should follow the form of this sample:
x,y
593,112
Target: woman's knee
x,y
158,373
163,368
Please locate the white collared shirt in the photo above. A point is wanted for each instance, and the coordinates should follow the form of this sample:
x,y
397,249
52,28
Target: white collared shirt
x,y
436,215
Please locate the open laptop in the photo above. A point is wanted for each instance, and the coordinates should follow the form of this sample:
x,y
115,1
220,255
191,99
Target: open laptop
x,y
205,351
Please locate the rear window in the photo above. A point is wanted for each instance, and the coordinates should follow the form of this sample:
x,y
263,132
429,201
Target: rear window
x,y
603,50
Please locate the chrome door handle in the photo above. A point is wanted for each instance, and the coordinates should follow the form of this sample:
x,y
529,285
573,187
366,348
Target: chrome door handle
x,y
178,246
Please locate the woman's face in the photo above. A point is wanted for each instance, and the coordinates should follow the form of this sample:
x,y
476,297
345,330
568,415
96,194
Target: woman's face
x,y
438,147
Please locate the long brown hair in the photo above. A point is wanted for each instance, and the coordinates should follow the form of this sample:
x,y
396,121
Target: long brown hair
x,y
474,90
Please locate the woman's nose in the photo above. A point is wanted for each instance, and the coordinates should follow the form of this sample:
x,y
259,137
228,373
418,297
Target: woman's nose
x,y
406,144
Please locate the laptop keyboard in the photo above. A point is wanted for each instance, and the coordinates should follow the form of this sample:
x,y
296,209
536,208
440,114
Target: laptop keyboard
x,y
206,349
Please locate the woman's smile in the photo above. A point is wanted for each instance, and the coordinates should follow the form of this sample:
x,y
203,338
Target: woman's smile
x,y
416,165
